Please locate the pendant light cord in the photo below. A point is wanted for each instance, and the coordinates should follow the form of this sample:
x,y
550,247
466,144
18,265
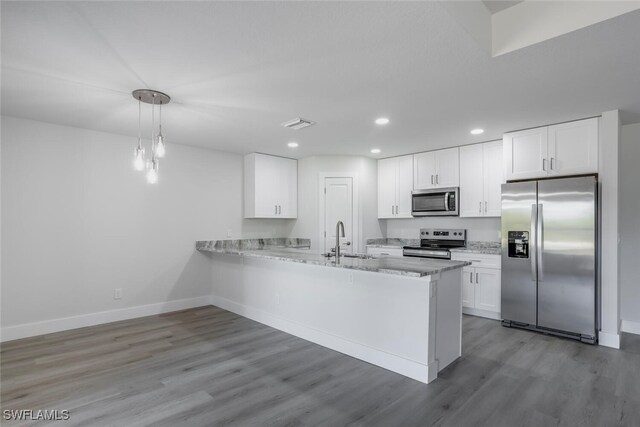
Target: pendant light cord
x,y
153,143
139,122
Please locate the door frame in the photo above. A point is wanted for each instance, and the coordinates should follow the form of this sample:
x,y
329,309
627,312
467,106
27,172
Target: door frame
x,y
355,220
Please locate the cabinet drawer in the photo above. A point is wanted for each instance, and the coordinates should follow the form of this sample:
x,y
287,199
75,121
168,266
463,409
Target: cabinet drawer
x,y
478,260
377,251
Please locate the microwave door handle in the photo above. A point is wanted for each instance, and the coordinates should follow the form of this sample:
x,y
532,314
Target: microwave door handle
x,y
446,201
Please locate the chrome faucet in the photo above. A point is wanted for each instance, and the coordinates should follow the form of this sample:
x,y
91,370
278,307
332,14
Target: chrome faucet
x,y
339,234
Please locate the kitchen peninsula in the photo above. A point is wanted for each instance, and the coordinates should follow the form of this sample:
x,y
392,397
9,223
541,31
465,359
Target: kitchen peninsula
x,y
401,314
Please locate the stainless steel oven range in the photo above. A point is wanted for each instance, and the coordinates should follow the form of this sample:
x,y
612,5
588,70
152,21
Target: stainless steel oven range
x,y
435,243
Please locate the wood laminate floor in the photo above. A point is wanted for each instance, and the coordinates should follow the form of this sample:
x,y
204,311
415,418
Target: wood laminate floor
x,y
207,366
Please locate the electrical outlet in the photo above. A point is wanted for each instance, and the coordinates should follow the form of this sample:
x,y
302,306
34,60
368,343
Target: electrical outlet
x,y
229,233
499,234
117,293
350,278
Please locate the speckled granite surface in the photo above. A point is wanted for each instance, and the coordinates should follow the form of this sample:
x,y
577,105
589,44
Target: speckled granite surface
x,y
392,242
485,248
411,267
246,244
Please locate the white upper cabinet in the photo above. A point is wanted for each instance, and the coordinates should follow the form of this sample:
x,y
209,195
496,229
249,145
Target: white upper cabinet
x,y
270,186
481,179
525,154
395,184
493,178
405,187
436,169
424,170
564,149
573,148
387,187
471,180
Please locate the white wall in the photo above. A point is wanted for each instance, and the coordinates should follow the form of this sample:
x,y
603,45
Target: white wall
x,y
309,169
478,229
78,221
630,225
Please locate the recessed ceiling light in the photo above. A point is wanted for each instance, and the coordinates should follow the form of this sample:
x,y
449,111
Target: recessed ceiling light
x,y
477,131
292,144
382,121
375,150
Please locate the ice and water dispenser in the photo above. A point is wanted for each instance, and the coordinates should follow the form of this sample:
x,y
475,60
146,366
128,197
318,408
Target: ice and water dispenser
x,y
518,244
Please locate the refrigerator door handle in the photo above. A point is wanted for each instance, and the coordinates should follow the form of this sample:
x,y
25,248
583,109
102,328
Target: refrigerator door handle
x,y
540,241
533,241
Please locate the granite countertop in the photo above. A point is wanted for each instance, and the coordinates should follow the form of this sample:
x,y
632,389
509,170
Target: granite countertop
x,y
411,267
485,248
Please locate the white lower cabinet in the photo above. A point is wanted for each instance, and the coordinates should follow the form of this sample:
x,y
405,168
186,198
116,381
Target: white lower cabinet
x,y
481,286
381,252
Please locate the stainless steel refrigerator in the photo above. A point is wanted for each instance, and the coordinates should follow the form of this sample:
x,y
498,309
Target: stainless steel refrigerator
x,y
549,248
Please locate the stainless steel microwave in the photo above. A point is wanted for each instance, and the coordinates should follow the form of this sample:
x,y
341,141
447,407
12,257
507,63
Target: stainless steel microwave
x,y
435,202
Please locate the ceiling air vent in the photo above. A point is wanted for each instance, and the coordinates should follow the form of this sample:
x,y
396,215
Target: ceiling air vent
x,y
298,123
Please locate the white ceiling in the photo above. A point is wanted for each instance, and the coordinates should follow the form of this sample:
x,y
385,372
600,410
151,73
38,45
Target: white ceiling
x,y
236,70
496,6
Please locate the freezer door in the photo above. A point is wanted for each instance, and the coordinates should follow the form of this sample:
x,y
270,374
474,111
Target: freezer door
x,y
519,263
566,267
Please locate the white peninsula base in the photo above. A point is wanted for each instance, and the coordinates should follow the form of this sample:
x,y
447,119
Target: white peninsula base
x,y
409,325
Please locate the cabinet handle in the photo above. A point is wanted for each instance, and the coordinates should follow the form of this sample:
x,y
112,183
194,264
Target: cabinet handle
x,y
480,207
391,209
471,277
431,179
276,207
279,209
396,209
552,164
485,206
477,279
437,180
544,165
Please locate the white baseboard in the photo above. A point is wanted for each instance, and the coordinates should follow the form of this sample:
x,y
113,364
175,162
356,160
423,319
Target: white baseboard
x,y
392,362
630,326
482,313
609,340
25,330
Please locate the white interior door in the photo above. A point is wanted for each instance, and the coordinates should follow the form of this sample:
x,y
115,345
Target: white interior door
x,y
338,206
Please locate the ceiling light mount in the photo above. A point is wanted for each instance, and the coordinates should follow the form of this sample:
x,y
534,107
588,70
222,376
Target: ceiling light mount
x,y
477,131
382,121
150,96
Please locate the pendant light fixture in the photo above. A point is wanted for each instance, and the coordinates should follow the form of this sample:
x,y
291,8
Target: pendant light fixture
x,y
158,149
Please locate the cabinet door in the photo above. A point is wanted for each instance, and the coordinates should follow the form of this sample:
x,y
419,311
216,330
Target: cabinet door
x,y
468,287
487,291
492,178
267,195
471,180
447,168
288,188
525,154
424,170
573,147
387,187
405,187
